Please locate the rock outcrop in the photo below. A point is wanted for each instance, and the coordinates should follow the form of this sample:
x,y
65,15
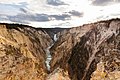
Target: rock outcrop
x,y
58,74
22,52
80,49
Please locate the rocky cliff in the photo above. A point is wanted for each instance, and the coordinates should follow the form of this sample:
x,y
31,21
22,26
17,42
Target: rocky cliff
x,y
88,52
22,52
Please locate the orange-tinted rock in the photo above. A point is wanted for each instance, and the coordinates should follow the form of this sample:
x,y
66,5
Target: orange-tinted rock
x,y
22,53
80,49
58,74
88,52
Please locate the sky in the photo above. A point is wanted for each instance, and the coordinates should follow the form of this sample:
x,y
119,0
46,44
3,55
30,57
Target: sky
x,y
57,13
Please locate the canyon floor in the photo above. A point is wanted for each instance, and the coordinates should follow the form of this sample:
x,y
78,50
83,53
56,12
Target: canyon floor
x,y
87,52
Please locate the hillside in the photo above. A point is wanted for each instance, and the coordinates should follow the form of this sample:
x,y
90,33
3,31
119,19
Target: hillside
x,y
88,52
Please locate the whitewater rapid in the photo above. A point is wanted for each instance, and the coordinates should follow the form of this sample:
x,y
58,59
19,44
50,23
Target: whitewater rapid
x,y
48,54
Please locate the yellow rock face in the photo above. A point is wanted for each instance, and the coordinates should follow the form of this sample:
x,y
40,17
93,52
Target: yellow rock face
x,y
102,74
22,53
58,74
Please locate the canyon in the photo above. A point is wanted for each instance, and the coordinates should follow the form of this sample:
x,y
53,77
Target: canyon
x,y
87,52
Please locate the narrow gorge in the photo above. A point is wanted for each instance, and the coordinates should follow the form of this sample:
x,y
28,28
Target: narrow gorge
x,y
87,52
48,54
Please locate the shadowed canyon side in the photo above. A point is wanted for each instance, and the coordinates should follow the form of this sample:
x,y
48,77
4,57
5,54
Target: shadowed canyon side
x,y
88,52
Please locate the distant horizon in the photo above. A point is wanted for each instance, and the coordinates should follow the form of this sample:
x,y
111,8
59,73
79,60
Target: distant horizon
x,y
55,26
58,13
29,25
